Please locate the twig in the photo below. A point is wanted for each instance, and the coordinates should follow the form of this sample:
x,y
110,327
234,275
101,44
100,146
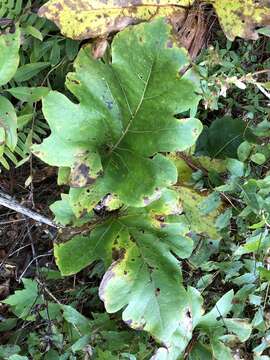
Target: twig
x,y
190,162
10,203
43,286
31,262
18,250
48,292
11,221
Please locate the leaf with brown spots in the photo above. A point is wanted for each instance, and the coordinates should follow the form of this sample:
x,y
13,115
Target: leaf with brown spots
x,y
140,249
242,17
84,19
127,116
200,222
108,240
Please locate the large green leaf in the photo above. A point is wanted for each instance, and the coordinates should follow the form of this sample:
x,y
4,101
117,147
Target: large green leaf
x,y
109,240
140,249
9,55
146,282
112,140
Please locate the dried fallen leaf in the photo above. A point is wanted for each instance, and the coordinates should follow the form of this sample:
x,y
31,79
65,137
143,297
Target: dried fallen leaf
x,y
242,17
94,18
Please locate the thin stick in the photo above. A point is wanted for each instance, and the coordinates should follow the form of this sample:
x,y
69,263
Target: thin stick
x,y
10,203
56,300
48,292
31,262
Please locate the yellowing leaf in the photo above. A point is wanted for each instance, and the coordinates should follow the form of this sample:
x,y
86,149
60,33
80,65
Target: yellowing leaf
x,y
92,18
191,201
242,17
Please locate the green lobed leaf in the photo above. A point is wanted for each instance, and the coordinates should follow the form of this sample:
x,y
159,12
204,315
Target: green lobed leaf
x,y
125,118
24,300
109,239
147,285
145,275
63,211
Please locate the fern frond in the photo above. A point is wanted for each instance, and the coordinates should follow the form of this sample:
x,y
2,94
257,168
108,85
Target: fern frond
x,y
11,9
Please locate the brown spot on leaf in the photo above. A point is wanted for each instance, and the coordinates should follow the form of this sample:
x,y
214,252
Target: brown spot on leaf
x,y
118,254
58,6
186,321
169,44
146,200
136,324
80,176
161,220
77,82
155,196
157,291
128,322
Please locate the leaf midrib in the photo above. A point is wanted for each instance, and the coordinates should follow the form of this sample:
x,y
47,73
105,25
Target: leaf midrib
x,y
133,115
